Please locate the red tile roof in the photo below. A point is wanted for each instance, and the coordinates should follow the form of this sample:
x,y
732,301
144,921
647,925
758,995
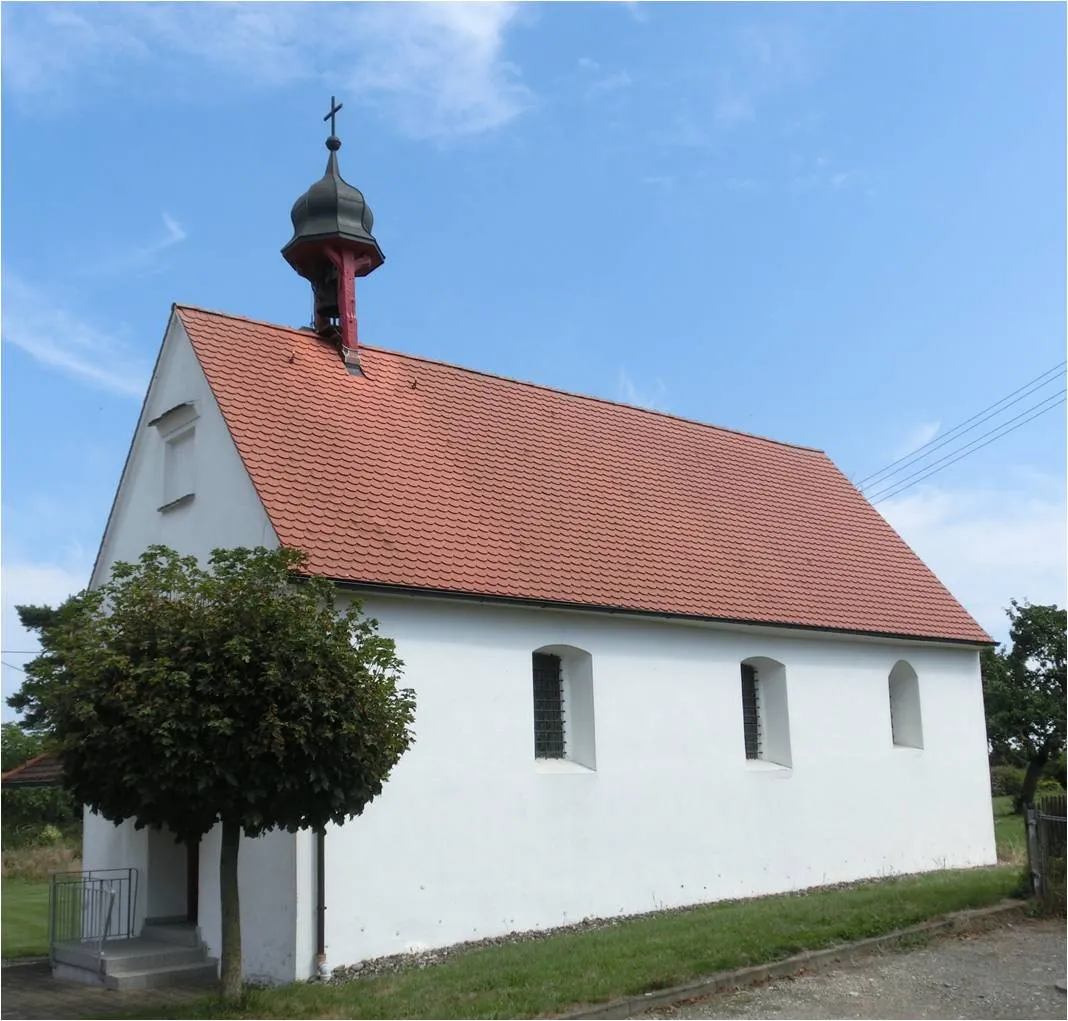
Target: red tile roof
x,y
44,770
426,476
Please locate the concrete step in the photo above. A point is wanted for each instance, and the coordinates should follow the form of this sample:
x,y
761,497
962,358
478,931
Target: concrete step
x,y
127,955
183,933
134,964
163,955
204,972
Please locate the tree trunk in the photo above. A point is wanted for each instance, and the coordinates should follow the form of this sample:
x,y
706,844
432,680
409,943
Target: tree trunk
x,y
1031,777
231,911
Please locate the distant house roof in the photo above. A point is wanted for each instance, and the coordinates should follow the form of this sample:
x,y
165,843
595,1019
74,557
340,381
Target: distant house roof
x,y
44,770
419,475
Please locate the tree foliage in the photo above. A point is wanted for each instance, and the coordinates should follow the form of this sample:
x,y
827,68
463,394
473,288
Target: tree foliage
x,y
180,696
1024,691
18,746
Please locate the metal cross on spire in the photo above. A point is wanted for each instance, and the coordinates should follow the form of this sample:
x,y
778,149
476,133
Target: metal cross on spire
x,y
334,107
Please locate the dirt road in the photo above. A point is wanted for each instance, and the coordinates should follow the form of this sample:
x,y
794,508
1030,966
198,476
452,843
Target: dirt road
x,y
1008,972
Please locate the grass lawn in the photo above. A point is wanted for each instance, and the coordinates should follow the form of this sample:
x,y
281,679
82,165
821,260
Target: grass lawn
x,y
1009,833
549,976
24,918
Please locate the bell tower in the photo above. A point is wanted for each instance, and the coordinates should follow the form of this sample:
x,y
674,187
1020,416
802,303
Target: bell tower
x,y
331,245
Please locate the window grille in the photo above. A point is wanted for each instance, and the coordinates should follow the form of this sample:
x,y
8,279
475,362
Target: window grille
x,y
548,707
751,712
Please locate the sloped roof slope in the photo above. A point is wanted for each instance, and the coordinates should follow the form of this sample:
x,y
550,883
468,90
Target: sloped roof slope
x,y
422,475
44,770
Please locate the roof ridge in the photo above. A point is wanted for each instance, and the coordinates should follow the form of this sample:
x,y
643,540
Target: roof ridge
x,y
305,332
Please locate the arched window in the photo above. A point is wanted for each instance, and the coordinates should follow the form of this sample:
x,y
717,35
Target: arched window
x,y
765,712
563,705
906,723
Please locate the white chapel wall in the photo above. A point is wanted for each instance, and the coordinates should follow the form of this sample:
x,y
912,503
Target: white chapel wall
x,y
470,839
224,512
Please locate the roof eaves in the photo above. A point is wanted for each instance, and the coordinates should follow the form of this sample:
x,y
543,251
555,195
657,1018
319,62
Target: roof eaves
x,y
429,593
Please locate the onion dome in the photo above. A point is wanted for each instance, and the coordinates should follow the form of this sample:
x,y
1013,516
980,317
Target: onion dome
x,y
332,208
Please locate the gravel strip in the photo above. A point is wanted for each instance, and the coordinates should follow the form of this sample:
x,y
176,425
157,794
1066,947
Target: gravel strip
x,y
1008,972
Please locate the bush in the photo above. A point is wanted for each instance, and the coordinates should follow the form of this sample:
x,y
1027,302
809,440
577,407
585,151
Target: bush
x,y
1006,780
1047,785
1057,770
33,815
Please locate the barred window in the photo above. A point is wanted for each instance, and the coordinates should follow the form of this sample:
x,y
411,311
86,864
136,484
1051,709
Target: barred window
x,y
765,712
751,711
548,707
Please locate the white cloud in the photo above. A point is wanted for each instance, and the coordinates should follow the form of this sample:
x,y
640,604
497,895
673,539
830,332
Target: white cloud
x,y
810,172
138,260
609,83
439,69
433,69
767,59
988,546
48,49
642,397
741,183
58,339
588,64
733,104
918,436
35,584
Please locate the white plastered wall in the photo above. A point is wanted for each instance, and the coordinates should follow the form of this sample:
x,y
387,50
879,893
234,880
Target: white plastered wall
x,y
470,838
225,512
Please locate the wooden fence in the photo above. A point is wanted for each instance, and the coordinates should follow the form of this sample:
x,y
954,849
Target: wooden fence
x,y
1046,850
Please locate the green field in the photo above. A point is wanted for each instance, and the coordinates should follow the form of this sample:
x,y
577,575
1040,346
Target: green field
x,y
1009,833
24,929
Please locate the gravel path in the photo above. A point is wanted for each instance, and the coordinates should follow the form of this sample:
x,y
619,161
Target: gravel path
x,y
1008,972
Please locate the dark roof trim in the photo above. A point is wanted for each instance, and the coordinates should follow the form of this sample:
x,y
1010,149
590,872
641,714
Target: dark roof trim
x,y
407,590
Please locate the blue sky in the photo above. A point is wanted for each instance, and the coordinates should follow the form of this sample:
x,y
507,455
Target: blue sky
x,y
841,226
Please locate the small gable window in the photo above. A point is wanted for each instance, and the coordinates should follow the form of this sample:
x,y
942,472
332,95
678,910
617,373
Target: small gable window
x,y
176,427
906,723
563,705
178,465
765,712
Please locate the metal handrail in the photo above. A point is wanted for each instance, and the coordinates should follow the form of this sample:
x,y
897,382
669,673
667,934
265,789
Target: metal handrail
x,y
91,907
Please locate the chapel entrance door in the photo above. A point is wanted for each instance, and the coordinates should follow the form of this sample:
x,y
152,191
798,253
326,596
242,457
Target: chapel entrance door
x,y
172,880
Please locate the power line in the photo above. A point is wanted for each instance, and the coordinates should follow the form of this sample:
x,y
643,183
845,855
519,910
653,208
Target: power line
x,y
885,486
934,471
977,419
12,665
19,652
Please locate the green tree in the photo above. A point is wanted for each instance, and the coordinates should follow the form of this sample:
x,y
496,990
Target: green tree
x,y
180,696
1024,692
18,745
